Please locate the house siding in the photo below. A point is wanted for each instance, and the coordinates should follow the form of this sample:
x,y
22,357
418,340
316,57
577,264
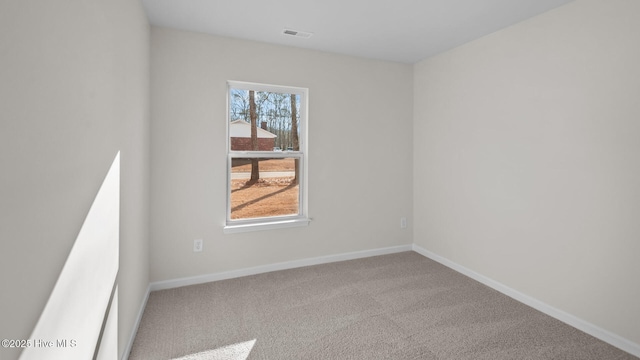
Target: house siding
x,y
244,144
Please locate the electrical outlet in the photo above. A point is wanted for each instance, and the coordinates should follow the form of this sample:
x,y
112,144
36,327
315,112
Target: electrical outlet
x,y
403,223
197,245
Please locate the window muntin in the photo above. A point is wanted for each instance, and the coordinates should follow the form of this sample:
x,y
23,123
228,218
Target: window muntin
x,y
266,168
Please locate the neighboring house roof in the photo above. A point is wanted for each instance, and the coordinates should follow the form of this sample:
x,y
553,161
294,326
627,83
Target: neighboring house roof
x,y
242,129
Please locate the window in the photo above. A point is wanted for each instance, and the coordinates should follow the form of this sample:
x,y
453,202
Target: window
x,y
266,156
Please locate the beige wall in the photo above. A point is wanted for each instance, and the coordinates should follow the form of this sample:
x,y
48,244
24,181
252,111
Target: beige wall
x,y
360,165
74,80
526,166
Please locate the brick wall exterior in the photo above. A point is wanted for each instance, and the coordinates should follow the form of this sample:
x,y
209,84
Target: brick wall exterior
x,y
244,144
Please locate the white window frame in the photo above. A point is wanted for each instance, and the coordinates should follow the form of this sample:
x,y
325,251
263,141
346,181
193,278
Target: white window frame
x,y
273,222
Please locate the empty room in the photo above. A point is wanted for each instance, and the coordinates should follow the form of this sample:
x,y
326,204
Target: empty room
x,y
320,180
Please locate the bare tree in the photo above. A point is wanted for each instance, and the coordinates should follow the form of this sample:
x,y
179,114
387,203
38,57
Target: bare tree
x,y
294,135
239,106
255,171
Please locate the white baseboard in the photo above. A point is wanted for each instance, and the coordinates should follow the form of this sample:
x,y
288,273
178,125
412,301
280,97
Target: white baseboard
x,y
591,329
127,350
201,279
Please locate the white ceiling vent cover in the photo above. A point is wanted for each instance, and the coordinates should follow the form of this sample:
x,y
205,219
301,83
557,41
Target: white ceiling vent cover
x,y
296,33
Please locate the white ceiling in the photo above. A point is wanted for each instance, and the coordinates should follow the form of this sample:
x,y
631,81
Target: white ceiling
x,y
399,30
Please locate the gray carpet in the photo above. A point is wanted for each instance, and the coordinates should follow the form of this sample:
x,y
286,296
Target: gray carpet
x,y
399,306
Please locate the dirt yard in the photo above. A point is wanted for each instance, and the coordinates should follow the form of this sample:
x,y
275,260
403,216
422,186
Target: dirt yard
x,y
266,197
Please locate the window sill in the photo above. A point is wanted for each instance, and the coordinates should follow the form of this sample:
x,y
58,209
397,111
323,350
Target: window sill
x,y
266,225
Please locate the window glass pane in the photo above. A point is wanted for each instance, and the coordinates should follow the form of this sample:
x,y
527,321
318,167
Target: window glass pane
x,y
263,121
275,191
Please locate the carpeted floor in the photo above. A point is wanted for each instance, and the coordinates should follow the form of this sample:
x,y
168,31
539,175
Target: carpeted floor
x,y
399,306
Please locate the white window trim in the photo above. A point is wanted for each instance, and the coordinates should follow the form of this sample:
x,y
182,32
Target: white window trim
x,y
275,222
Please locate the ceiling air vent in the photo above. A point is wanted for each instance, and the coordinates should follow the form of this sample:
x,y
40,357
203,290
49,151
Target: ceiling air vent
x,y
296,33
